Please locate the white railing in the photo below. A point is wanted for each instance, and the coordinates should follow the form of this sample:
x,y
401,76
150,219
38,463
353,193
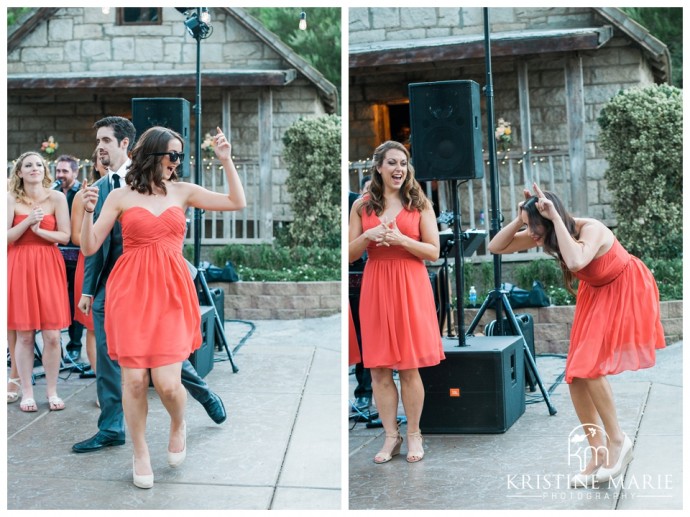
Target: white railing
x,y
242,227
550,169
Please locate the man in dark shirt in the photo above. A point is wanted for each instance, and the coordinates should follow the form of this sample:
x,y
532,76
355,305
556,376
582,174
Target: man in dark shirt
x,y
363,392
66,172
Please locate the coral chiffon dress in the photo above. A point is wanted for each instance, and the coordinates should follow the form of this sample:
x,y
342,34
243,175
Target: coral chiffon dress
x,y
353,355
617,325
86,320
152,315
36,281
397,312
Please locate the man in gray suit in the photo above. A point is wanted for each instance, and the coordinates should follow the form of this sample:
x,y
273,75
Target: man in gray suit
x,y
115,136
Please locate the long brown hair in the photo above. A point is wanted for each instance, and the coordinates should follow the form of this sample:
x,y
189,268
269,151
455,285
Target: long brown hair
x,y
16,185
145,168
411,193
544,227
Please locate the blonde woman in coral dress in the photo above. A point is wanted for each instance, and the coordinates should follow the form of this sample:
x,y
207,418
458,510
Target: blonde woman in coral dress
x,y
37,220
617,323
396,225
152,315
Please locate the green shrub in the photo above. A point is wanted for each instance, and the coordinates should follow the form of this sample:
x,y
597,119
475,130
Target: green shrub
x,y
669,277
263,262
312,153
642,134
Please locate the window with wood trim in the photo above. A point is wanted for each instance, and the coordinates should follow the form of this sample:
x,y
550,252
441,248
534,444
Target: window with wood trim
x,y
139,15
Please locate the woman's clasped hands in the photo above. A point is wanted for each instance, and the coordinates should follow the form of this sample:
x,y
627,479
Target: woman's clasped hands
x,y
35,217
386,234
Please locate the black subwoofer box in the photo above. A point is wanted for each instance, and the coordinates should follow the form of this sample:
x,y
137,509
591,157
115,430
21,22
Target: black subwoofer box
x,y
202,358
478,388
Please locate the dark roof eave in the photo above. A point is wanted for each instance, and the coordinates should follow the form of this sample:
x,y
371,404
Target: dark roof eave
x,y
138,80
655,49
452,49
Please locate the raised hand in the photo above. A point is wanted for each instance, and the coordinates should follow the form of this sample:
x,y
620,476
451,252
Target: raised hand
x,y
90,197
544,205
221,146
527,195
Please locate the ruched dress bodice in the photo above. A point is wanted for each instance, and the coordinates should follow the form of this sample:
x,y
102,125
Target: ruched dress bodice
x,y
152,315
37,297
617,325
397,312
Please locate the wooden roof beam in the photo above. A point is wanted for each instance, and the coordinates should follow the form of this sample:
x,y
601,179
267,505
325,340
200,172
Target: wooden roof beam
x,y
209,78
462,48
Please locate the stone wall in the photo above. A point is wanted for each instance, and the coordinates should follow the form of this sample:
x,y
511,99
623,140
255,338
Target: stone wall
x,y
616,66
280,300
86,40
552,325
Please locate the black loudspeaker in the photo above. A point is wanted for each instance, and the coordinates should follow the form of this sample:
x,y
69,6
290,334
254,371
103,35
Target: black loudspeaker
x,y
202,358
526,323
170,112
479,388
446,132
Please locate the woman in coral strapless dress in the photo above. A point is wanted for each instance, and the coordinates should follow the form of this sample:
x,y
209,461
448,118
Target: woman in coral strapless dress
x,y
38,219
152,309
396,225
617,324
85,318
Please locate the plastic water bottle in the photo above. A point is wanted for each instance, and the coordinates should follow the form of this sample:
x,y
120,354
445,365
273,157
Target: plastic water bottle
x,y
481,218
473,296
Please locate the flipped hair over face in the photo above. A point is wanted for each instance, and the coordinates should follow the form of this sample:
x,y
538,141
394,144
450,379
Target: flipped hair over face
x,y
544,227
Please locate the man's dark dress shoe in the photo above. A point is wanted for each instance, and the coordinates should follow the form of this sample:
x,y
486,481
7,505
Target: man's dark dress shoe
x,y
88,374
362,404
215,409
97,442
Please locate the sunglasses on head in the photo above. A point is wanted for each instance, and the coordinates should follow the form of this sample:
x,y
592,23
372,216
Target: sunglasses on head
x,y
173,155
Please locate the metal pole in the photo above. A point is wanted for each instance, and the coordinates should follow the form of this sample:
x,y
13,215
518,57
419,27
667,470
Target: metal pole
x,y
197,151
493,172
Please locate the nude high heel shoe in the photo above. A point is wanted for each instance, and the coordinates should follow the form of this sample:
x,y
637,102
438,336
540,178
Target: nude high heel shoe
x,y
625,457
413,456
581,480
145,481
385,457
175,459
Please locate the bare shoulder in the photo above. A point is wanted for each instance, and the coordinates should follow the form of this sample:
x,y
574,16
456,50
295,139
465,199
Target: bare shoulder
x,y
357,206
56,195
428,212
594,232
586,224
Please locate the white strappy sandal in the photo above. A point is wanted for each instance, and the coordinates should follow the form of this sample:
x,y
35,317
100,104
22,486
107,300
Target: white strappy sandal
x,y
13,396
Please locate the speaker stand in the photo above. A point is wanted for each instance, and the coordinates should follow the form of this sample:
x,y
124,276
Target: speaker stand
x,y
496,298
459,265
445,285
219,325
